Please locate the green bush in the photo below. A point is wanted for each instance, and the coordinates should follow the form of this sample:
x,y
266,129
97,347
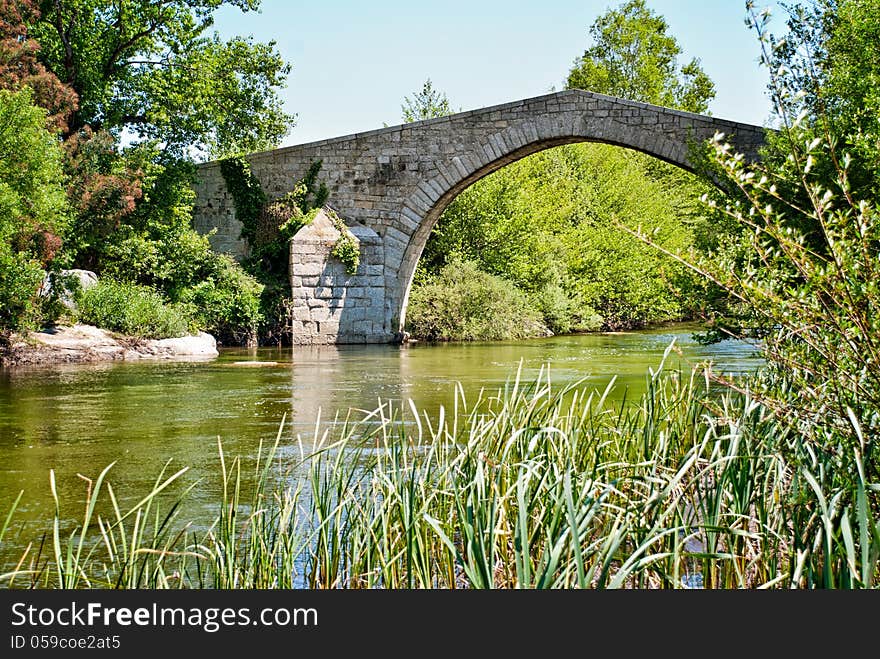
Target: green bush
x,y
462,303
153,244
133,310
226,302
563,311
20,278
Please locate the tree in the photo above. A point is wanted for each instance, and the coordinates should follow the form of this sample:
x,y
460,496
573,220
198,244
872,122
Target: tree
x,y
633,57
32,205
426,104
544,224
834,91
151,69
19,66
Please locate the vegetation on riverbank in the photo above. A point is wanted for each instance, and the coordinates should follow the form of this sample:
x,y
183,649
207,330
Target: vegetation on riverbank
x,y
108,137
765,482
463,303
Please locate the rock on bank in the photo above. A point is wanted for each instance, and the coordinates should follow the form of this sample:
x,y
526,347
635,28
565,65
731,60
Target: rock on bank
x,y
85,343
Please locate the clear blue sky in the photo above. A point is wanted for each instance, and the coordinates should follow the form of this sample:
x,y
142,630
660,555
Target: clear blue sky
x,y
354,62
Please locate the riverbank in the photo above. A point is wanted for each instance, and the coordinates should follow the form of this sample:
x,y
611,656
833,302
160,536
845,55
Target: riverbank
x,y
79,344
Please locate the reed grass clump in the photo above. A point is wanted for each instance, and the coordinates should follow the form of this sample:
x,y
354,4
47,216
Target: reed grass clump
x,y
527,487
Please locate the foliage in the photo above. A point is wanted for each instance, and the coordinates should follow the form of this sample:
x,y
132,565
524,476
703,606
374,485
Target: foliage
x,y
134,310
528,486
133,216
103,188
152,77
463,303
633,57
226,301
825,75
20,67
153,70
428,103
32,207
804,269
268,226
548,224
248,198
346,249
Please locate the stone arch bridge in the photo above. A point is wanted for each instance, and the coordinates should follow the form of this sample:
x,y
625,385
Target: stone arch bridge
x,y
391,185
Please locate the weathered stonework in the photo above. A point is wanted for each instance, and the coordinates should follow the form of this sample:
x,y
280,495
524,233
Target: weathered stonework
x,y
328,304
398,180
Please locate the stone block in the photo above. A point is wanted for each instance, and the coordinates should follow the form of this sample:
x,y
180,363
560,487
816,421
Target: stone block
x,y
362,327
376,294
320,314
352,315
306,269
328,327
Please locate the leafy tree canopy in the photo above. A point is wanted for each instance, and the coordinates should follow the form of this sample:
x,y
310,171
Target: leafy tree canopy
x,y
152,68
633,57
429,103
19,66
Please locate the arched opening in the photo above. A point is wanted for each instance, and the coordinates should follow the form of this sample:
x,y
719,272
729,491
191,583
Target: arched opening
x,y
592,164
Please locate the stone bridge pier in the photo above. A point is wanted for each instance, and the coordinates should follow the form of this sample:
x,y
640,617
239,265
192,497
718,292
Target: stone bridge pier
x,y
391,185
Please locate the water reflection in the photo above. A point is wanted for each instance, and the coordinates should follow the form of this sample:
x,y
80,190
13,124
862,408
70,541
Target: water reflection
x,y
77,419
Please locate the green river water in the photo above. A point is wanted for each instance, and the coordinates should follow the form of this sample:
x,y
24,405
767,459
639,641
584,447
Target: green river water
x,y
140,415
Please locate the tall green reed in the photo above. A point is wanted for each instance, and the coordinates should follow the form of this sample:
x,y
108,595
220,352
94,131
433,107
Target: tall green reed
x,y
527,487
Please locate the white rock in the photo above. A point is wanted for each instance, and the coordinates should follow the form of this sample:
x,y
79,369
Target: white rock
x,y
85,343
69,280
199,345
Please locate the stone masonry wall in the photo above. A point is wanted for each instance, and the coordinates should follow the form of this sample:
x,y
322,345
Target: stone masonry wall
x,y
398,180
328,304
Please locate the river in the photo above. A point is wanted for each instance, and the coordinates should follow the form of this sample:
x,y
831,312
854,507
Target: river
x,y
140,415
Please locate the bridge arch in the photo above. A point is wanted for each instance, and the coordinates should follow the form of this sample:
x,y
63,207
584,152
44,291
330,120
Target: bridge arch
x,y
395,182
431,197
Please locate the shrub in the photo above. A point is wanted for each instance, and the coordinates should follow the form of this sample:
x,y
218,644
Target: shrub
x,y
134,310
564,312
155,246
226,302
462,303
20,278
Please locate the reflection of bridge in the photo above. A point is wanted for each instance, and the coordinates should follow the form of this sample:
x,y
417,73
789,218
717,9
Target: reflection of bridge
x,y
391,185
